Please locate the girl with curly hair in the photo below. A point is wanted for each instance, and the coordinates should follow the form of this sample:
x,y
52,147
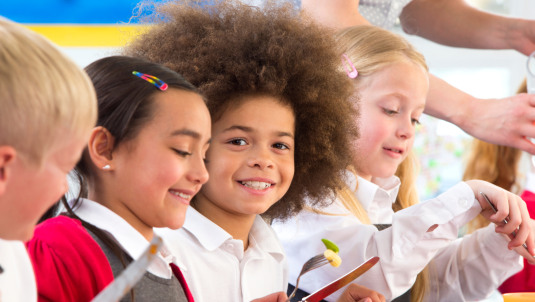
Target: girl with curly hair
x,y
282,128
391,78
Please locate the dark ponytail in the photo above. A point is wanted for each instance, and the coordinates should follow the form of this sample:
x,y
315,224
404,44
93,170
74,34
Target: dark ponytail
x,y
125,105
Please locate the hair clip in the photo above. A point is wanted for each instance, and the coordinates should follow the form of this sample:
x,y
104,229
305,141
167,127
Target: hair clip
x,y
353,73
152,79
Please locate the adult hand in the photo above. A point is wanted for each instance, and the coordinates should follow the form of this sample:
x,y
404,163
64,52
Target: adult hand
x,y
521,36
505,121
357,293
509,206
275,297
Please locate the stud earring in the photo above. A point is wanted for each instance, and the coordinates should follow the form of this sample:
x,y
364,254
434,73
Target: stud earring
x,y
106,167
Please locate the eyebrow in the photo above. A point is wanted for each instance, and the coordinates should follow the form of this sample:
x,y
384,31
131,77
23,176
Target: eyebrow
x,y
186,132
249,130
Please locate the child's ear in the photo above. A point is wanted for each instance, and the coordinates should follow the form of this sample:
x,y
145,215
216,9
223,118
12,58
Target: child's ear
x,y
7,156
101,144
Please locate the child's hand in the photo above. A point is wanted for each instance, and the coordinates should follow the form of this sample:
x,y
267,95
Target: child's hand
x,y
357,293
275,297
521,250
509,206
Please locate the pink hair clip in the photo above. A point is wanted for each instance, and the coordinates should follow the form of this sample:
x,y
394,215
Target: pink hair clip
x,y
152,79
351,73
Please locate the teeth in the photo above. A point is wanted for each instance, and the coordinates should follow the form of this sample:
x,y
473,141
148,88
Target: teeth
x,y
181,194
257,185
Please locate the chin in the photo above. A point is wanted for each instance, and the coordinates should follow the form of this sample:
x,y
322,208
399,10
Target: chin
x,y
385,173
175,222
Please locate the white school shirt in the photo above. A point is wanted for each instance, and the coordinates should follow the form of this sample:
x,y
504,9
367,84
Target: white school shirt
x,y
17,282
468,269
404,249
130,240
216,266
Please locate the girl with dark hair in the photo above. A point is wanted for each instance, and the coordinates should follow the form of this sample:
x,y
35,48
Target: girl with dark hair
x,y
143,164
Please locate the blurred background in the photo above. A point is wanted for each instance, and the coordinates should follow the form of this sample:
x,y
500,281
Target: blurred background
x,y
89,29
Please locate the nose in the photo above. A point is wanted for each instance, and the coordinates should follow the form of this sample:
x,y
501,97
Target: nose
x,y
197,173
405,129
260,158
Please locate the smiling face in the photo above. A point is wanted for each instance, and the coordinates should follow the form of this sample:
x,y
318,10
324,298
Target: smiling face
x,y
393,100
251,158
156,174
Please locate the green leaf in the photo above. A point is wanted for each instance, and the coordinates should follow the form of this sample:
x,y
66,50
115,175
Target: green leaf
x,y
330,245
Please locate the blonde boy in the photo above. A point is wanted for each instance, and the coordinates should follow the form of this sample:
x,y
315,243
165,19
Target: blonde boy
x,y
47,109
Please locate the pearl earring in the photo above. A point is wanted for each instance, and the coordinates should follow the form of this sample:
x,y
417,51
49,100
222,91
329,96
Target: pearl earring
x,y
106,167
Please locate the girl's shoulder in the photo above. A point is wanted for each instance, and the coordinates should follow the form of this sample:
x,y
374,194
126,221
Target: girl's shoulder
x,y
69,265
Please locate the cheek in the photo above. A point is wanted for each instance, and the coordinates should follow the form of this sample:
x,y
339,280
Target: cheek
x,y
372,135
287,170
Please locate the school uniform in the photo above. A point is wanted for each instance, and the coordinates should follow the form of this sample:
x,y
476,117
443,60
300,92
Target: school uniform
x,y
73,264
17,281
405,248
216,266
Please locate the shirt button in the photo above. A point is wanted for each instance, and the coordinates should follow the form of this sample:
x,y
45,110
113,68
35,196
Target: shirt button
x,y
463,203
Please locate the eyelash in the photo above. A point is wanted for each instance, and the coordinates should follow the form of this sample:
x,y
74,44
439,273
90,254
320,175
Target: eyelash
x,y
389,112
392,112
284,146
182,153
236,140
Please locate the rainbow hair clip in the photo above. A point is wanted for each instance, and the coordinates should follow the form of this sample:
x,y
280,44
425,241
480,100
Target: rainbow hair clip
x,y
351,73
152,79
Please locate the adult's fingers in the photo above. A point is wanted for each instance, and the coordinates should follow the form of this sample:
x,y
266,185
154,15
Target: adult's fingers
x,y
524,145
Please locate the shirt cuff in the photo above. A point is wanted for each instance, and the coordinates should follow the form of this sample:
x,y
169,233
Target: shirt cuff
x,y
461,203
450,211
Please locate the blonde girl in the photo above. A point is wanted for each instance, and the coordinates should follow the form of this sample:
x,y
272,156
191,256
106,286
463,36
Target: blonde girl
x,y
393,83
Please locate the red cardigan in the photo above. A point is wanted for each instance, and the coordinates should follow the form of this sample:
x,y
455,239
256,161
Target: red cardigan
x,y
523,281
69,265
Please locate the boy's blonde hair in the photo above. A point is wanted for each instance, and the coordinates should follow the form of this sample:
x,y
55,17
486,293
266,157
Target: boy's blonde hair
x,y
371,49
43,94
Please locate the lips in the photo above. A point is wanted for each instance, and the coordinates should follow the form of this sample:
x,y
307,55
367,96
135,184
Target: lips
x,y
183,195
400,151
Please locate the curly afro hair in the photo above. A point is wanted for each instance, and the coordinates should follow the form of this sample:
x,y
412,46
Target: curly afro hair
x,y
230,50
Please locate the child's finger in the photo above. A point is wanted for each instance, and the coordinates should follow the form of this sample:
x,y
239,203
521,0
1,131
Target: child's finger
x,y
501,203
525,226
515,217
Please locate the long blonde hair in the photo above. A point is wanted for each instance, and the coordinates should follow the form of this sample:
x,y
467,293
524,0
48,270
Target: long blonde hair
x,y
371,49
495,164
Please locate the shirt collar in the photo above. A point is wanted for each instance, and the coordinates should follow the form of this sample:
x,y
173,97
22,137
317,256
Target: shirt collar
x,y
211,236
266,239
130,240
368,191
103,218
